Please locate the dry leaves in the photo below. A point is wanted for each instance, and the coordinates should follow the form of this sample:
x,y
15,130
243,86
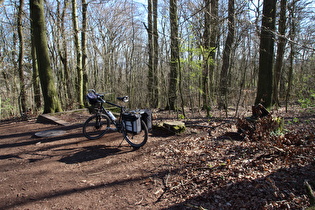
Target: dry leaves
x,y
265,170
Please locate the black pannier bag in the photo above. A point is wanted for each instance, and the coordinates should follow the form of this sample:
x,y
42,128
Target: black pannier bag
x,y
132,122
146,116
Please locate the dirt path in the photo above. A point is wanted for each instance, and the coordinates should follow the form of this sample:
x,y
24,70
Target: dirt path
x,y
71,172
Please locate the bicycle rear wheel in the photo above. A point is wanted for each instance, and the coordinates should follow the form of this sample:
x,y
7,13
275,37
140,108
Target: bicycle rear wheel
x,y
96,126
137,140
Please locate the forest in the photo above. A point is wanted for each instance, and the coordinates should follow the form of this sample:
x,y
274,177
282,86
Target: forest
x,y
164,54
206,64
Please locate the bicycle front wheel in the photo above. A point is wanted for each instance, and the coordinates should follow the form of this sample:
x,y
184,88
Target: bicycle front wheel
x,y
96,126
137,140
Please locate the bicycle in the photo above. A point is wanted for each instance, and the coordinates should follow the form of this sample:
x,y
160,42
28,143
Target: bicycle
x,y
133,129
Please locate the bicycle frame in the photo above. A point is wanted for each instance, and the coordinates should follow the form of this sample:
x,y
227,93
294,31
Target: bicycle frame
x,y
103,110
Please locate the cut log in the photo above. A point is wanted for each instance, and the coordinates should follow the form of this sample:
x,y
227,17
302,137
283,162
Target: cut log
x,y
175,126
48,119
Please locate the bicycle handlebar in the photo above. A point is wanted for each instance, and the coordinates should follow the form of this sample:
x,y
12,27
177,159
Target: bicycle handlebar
x,y
101,97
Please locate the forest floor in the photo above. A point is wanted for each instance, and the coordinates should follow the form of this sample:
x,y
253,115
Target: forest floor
x,y
209,166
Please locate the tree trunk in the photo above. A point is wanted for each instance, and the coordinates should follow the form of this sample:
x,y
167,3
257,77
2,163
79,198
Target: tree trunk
x,y
214,22
35,79
206,55
51,101
223,87
35,75
64,81
84,54
280,50
209,44
21,57
153,53
292,34
156,55
79,83
174,65
266,53
68,81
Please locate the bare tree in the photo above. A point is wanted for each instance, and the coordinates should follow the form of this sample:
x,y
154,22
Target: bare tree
x,y
156,54
206,55
265,76
292,33
79,81
223,85
51,101
152,30
84,52
151,53
280,50
35,74
21,58
65,80
174,62
210,45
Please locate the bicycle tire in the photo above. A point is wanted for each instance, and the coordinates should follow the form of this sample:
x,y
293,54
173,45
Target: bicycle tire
x,y
139,139
96,126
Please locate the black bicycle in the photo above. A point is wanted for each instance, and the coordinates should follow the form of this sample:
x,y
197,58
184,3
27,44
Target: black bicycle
x,y
129,123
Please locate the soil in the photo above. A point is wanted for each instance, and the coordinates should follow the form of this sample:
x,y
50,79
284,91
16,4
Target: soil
x,y
209,166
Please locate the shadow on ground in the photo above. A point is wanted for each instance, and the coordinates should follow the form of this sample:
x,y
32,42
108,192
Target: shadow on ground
x,y
91,153
283,189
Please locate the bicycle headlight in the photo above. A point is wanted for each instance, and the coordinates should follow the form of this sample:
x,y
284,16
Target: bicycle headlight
x,y
126,99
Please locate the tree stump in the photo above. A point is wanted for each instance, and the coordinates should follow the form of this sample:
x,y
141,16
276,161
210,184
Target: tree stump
x,y
175,126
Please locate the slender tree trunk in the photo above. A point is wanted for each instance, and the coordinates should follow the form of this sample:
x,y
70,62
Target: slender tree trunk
x,y
35,75
15,57
51,101
156,55
21,57
265,76
84,54
280,50
79,83
206,55
223,87
213,45
35,79
132,70
292,52
209,44
174,65
68,81
62,53
151,52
